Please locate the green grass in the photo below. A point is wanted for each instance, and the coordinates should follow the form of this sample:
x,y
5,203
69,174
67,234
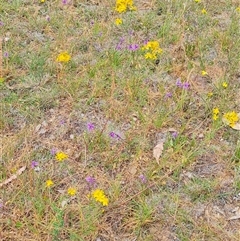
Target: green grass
x,y
133,103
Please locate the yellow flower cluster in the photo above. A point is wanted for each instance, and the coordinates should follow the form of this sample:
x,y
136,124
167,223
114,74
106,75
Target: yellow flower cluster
x,y
231,118
49,183
99,196
118,21
71,191
215,113
224,84
61,156
204,73
63,57
124,5
153,50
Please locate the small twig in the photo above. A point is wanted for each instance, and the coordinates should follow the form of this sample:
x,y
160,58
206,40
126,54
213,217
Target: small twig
x,y
19,172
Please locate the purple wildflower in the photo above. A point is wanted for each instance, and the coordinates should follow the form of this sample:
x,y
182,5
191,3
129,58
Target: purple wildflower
x,y
179,83
53,151
62,122
186,85
90,126
121,40
1,23
64,2
90,180
174,135
119,46
145,41
114,135
168,95
133,47
6,55
131,32
34,164
143,178
47,18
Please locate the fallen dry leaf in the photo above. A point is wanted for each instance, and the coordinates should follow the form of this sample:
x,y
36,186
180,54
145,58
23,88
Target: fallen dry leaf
x,y
19,172
236,126
157,151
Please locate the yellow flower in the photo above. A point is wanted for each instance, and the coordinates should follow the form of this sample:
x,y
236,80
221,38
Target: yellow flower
x,y
49,183
153,48
238,9
150,56
215,113
71,191
204,73
215,117
42,1
231,118
124,5
121,8
197,1
61,156
99,196
224,84
1,80
210,94
118,21
63,57
204,11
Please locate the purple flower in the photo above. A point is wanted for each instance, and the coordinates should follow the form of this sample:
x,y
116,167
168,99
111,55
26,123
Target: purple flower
x,y
90,126
174,135
133,47
119,46
179,83
186,85
114,135
62,122
143,178
90,180
34,164
53,151
1,23
64,2
168,95
47,18
131,32
6,55
145,41
121,40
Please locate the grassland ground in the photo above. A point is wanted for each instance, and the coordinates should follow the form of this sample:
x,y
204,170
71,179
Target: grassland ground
x,y
120,120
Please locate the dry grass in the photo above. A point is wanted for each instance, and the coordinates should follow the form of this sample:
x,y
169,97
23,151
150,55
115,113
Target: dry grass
x,y
192,191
